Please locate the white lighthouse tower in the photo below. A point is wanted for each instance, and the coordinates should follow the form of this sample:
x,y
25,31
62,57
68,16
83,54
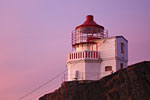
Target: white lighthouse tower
x,y
94,54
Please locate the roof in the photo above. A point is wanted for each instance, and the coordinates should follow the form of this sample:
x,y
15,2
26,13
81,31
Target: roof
x,y
89,22
115,37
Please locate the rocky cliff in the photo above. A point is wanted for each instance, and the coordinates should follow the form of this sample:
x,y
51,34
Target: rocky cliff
x,y
132,83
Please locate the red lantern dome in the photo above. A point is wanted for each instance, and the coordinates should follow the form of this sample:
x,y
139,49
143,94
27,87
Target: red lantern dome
x,y
89,22
87,32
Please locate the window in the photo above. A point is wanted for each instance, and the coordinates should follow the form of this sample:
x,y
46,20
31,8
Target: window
x,y
121,65
122,47
108,68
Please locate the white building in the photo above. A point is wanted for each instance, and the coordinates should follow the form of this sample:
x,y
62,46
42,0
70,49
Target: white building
x,y
94,54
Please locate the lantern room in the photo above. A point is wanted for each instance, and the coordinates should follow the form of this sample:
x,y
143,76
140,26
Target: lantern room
x,y
87,32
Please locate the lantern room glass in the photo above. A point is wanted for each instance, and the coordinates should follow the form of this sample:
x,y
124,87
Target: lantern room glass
x,y
87,34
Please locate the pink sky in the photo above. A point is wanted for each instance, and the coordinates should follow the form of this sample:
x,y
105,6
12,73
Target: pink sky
x,y
35,37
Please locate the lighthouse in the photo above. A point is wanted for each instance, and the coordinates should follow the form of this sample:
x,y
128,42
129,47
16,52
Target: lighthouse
x,y
94,54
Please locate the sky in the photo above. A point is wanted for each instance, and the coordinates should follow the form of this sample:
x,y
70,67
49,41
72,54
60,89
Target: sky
x,y
35,37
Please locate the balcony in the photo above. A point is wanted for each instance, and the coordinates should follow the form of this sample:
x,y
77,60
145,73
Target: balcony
x,y
79,55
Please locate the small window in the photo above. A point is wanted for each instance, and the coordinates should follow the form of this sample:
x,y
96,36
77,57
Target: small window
x,y
108,68
122,47
121,65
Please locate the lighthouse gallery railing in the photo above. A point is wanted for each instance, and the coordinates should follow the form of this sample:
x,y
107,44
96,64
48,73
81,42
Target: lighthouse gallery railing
x,y
83,55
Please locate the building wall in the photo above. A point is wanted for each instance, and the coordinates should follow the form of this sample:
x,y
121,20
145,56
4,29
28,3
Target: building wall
x,y
109,55
92,71
118,66
124,55
83,47
107,49
121,57
105,63
76,66
87,70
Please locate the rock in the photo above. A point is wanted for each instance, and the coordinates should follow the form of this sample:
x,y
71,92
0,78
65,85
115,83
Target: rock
x,y
132,83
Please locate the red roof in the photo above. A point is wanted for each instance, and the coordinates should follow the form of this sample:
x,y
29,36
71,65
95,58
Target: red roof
x,y
89,22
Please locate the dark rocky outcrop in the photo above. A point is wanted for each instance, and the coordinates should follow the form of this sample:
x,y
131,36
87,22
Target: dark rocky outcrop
x,y
132,83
